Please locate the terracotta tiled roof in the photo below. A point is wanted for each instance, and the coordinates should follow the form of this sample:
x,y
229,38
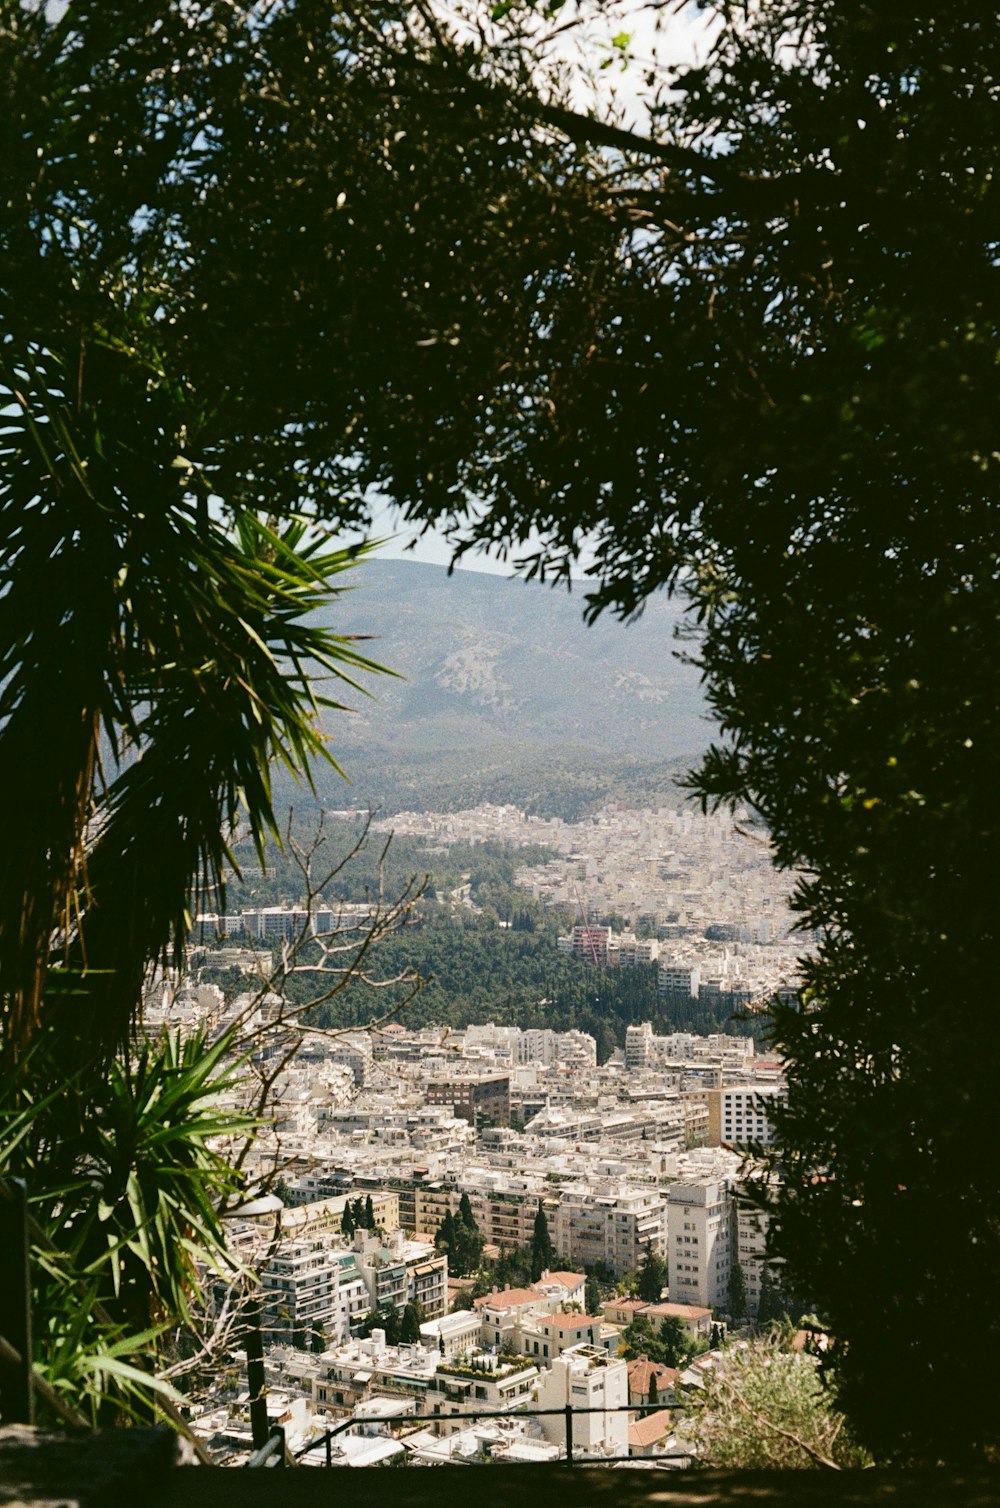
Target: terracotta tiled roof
x,y
650,1429
677,1311
510,1298
642,1369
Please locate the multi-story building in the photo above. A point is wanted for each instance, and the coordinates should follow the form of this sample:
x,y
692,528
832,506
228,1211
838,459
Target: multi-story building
x,y
427,1284
679,979
590,943
751,1251
326,1215
300,1289
639,1046
482,1100
586,1377
398,1272
626,951
700,1229
353,1298
615,1227
738,1114
354,1051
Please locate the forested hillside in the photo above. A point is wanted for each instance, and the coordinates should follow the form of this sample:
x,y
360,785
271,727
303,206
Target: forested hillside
x,y
485,951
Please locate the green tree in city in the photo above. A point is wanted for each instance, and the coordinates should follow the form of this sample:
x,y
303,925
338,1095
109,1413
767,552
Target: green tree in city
x,y
465,1214
409,1328
737,1293
771,1307
543,1253
674,1343
446,1237
383,1317
652,1276
639,1339
469,1241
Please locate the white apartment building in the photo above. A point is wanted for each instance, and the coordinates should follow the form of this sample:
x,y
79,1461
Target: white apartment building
x,y
586,1377
645,1049
512,1044
639,1046
701,1230
626,951
614,1227
452,1335
300,1287
738,1114
679,979
398,1272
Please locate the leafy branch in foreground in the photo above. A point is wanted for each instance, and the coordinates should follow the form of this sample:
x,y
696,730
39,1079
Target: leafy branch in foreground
x,y
765,1407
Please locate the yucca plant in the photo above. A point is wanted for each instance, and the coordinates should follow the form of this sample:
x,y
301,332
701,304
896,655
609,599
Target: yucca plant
x,y
126,1224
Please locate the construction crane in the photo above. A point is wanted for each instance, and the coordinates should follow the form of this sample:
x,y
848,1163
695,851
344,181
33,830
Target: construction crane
x,y
587,933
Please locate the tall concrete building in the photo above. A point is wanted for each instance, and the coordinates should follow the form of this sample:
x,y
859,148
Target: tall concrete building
x,y
701,1230
738,1114
586,1377
483,1100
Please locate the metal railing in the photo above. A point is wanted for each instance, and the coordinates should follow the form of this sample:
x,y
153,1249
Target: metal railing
x,y
428,1420
272,1453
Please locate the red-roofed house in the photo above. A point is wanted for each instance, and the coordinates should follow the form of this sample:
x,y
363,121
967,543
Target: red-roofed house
x,y
695,1319
501,1310
546,1336
648,1436
565,1287
641,1372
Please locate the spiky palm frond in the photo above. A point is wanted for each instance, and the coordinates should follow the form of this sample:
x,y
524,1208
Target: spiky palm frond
x,y
156,654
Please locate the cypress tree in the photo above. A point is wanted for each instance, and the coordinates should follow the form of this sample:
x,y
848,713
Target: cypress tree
x,y
542,1250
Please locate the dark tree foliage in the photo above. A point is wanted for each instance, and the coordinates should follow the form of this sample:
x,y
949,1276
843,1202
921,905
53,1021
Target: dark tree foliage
x,y
514,1267
409,1328
652,1276
476,971
460,1238
668,1346
543,1253
386,1318
737,1293
752,354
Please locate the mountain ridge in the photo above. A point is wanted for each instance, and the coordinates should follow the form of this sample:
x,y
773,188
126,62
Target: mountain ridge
x,y
485,659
